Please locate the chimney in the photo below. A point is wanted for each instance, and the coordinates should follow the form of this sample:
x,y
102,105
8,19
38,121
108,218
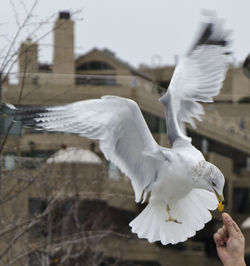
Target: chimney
x,y
64,15
64,48
28,53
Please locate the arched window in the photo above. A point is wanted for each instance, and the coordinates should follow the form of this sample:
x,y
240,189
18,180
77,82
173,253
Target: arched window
x,y
95,65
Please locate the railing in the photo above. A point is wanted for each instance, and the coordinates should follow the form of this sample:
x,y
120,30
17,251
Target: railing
x,y
229,133
119,85
230,127
130,81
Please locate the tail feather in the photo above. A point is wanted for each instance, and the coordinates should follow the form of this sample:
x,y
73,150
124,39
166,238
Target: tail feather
x,y
191,211
154,234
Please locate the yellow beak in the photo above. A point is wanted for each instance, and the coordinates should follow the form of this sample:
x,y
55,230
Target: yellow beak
x,y
221,201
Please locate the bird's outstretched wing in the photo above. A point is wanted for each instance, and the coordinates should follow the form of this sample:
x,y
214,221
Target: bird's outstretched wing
x,y
198,77
119,125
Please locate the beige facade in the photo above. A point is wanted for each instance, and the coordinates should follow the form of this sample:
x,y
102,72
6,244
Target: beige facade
x,y
98,73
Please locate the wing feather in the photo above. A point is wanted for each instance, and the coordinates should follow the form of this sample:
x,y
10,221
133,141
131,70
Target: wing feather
x,y
197,78
119,125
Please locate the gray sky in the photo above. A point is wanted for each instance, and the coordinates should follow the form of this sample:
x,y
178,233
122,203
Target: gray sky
x,y
138,31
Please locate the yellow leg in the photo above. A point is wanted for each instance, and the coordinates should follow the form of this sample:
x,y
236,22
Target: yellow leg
x,y
171,219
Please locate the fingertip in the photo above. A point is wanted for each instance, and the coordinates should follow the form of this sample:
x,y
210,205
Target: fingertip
x,y
229,224
217,237
226,218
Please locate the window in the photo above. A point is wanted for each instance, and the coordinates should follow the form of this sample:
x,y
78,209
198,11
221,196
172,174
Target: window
x,y
241,200
248,163
164,84
113,171
245,100
16,127
6,124
247,258
45,68
34,158
37,206
156,124
204,146
95,80
95,65
9,162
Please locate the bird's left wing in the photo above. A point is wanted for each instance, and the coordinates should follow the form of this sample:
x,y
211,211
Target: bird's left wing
x,y
119,126
197,78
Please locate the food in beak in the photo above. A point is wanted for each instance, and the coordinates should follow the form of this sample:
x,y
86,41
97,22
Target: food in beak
x,y
221,201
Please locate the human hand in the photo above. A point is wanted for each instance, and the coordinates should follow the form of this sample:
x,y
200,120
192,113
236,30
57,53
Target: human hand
x,y
230,243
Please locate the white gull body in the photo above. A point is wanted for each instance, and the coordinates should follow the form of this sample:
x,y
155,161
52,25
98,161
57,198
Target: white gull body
x,y
179,183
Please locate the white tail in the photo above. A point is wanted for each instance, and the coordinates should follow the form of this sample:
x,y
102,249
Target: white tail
x,y
192,212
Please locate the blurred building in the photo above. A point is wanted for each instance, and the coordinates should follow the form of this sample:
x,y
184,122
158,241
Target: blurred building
x,y
99,188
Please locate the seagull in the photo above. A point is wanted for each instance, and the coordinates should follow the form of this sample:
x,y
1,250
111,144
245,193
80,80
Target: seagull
x,y
178,184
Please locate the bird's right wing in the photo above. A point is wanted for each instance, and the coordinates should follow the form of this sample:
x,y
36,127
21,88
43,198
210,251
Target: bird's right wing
x,y
197,78
119,126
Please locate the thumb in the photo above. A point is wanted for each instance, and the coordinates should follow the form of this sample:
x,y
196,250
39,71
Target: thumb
x,y
228,223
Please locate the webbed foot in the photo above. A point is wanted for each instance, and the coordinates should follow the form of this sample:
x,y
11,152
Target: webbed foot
x,y
171,219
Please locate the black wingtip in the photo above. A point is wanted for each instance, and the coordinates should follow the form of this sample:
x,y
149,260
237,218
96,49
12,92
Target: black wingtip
x,y
205,35
211,33
27,115
207,38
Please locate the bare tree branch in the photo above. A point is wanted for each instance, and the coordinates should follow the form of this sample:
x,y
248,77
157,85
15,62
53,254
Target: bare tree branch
x,y
6,61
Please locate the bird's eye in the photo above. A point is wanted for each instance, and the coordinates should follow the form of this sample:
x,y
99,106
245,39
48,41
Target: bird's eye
x,y
214,185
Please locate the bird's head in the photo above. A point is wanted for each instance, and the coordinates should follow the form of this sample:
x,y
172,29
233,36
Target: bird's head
x,y
212,179
217,183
